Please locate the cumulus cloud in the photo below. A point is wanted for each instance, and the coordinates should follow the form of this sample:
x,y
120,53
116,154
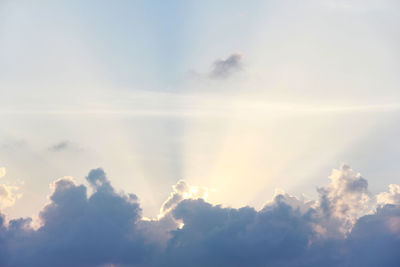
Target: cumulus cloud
x,y
223,68
78,230
391,197
344,199
106,228
301,204
180,192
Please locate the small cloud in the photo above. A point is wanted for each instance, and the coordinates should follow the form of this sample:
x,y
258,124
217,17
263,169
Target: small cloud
x,y
223,68
60,146
180,192
64,146
8,195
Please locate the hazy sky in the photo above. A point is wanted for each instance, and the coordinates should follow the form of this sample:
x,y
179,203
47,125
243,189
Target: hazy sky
x,y
240,98
199,133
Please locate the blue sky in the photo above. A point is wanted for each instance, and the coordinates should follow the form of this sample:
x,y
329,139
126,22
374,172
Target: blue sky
x,y
239,99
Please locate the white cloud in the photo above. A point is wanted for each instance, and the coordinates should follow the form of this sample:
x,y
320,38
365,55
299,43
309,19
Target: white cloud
x,y
8,195
391,197
344,199
180,192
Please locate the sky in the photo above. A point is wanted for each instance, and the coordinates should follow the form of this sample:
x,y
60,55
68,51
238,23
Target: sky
x,y
196,122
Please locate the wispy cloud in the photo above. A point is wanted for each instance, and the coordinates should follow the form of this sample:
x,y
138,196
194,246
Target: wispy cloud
x,y
60,146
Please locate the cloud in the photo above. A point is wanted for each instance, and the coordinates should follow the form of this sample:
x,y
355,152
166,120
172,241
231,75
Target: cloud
x,y
180,192
217,236
106,228
375,239
60,146
220,69
8,195
78,230
391,197
224,68
64,146
344,200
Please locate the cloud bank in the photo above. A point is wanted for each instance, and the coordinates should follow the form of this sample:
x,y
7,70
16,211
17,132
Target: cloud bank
x,y
346,226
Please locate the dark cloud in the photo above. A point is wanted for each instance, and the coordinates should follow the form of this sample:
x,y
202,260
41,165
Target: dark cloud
x,y
79,230
216,236
375,239
66,146
223,68
107,228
